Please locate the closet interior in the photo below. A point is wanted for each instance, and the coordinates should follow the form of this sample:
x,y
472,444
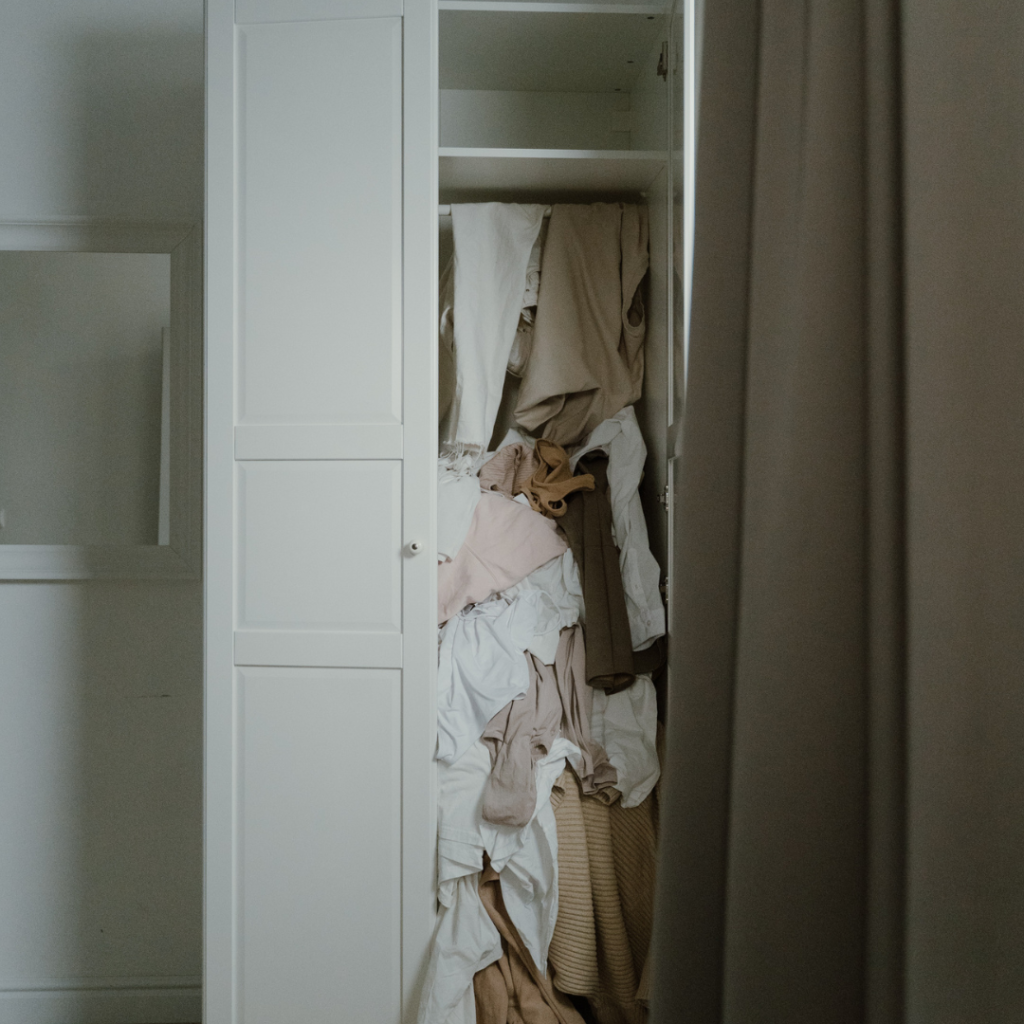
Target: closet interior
x,y
562,110
569,103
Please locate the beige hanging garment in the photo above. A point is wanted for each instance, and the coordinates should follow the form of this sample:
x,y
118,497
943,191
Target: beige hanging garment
x,y
586,361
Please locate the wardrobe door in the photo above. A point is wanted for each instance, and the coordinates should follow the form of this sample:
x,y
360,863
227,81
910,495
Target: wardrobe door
x,y
321,635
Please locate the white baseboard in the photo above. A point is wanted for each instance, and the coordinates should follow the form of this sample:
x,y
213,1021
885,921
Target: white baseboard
x,y
103,1001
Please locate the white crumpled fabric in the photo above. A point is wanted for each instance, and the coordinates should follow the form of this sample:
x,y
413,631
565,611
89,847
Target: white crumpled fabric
x,y
481,667
526,860
559,582
493,242
626,725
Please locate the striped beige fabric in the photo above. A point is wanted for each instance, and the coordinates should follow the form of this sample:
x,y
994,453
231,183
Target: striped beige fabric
x,y
573,950
604,909
634,847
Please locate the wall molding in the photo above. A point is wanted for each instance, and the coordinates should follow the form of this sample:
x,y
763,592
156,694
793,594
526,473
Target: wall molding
x,y
131,1000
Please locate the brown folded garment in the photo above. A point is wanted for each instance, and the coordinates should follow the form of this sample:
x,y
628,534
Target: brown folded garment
x,y
587,525
512,990
587,360
542,474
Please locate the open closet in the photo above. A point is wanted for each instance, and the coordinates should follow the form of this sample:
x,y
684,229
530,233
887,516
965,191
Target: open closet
x,y
553,197
341,134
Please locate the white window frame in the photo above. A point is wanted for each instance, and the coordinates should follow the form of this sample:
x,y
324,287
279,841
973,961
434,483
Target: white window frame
x,y
181,558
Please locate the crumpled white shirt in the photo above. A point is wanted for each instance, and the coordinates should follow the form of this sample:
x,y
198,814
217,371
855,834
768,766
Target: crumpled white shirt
x,y
621,439
526,860
626,725
481,667
493,242
559,582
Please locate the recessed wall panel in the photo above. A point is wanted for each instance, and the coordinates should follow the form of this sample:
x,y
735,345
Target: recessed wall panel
x,y
320,546
320,222
319,879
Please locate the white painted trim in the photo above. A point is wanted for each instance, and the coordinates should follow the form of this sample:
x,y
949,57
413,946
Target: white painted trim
x,y
164,515
180,559
220,957
87,234
90,562
543,171
103,1001
254,12
315,441
89,984
419,484
317,648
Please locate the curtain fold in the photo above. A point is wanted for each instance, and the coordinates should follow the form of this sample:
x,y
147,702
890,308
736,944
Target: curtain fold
x,y
844,785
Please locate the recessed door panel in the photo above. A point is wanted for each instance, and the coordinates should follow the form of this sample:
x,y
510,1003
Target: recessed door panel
x,y
319,231
320,872
320,546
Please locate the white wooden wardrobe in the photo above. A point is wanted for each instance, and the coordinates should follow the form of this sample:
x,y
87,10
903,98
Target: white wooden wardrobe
x,y
334,130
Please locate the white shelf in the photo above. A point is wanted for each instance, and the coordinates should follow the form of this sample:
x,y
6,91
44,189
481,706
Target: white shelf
x,y
552,170
555,6
548,170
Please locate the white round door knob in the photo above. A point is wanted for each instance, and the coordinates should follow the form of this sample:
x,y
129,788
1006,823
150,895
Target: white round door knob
x,y
414,547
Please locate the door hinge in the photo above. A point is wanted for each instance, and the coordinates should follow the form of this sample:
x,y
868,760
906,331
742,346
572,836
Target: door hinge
x,y
664,498
663,62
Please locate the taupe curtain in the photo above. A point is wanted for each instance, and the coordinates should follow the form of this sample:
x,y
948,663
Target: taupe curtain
x,y
843,807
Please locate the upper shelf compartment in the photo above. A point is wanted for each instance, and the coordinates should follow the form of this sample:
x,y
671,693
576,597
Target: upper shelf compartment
x,y
530,74
538,47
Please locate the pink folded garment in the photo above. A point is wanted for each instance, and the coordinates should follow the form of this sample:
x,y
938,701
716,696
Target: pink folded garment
x,y
505,543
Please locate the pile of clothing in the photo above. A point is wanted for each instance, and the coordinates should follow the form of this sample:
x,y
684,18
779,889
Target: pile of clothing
x,y
551,625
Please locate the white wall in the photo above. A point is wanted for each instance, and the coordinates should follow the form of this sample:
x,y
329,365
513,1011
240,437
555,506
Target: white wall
x,y
101,113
